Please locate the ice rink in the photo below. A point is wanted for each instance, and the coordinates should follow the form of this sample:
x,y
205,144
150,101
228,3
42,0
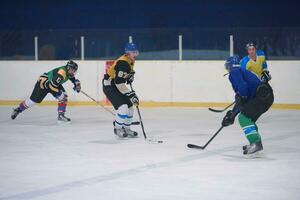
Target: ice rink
x,y
42,160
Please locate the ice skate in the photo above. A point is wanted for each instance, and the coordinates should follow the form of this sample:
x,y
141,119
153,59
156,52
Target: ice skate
x,y
15,113
253,148
120,133
62,118
131,133
246,146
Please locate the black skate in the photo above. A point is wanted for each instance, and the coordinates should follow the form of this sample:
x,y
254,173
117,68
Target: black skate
x,y
253,148
246,146
131,133
15,113
120,132
62,118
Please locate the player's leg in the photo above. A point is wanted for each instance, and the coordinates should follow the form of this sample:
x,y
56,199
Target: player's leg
x,y
128,120
62,98
250,112
117,100
251,132
37,96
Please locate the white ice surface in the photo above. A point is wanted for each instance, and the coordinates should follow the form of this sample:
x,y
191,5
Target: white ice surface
x,y
83,160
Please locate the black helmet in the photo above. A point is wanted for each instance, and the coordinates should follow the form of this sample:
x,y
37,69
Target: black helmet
x,y
250,44
72,65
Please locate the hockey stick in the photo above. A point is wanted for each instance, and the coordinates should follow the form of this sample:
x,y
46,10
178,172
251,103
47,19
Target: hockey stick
x,y
111,112
142,125
222,110
194,146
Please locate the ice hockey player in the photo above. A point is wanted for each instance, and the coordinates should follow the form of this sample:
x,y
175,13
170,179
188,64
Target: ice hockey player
x,y
116,90
255,61
253,97
51,82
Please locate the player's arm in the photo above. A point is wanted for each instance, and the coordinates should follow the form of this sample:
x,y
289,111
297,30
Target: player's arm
x,y
240,87
123,70
244,62
266,76
77,84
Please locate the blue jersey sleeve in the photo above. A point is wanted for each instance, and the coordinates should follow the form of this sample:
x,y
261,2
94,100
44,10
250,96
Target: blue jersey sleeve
x,y
265,66
244,62
261,53
238,83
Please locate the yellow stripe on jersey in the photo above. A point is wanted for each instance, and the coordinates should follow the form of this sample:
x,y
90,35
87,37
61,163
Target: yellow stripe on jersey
x,y
53,88
111,70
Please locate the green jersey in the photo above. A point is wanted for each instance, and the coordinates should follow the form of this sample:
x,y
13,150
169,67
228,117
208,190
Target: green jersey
x,y
57,77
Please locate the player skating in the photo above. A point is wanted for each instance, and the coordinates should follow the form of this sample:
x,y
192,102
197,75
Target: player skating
x,y
121,97
253,98
255,61
51,82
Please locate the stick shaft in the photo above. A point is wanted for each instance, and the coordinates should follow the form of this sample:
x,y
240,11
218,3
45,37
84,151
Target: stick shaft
x,y
229,105
222,110
97,102
140,117
141,121
213,137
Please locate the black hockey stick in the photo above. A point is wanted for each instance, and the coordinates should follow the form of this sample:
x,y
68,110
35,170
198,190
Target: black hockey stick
x,y
194,146
222,110
142,125
111,112
141,121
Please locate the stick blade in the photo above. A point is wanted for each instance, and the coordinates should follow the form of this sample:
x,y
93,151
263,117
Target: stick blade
x,y
135,123
214,110
194,146
153,141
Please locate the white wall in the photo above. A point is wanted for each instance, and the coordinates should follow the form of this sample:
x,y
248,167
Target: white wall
x,y
162,81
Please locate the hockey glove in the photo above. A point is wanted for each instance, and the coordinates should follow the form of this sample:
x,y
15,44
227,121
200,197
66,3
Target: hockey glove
x,y
133,97
77,86
229,118
266,76
130,77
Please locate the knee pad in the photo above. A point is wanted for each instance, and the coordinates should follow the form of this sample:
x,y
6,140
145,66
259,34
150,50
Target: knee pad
x,y
123,110
130,111
29,103
63,98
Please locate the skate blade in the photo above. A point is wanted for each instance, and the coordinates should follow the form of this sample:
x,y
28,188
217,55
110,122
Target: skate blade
x,y
258,154
121,137
63,122
132,136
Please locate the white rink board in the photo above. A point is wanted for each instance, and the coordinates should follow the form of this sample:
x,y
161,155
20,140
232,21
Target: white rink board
x,y
160,81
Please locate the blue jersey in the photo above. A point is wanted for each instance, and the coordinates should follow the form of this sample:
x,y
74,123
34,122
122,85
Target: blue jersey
x,y
256,66
244,82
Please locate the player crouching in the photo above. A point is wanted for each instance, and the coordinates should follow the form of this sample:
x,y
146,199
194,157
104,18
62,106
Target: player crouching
x,y
51,82
121,97
253,98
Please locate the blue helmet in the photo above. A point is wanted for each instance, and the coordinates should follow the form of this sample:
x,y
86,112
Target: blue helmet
x,y
232,61
130,46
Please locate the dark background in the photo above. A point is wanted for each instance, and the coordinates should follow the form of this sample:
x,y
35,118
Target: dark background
x,y
69,14
155,25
